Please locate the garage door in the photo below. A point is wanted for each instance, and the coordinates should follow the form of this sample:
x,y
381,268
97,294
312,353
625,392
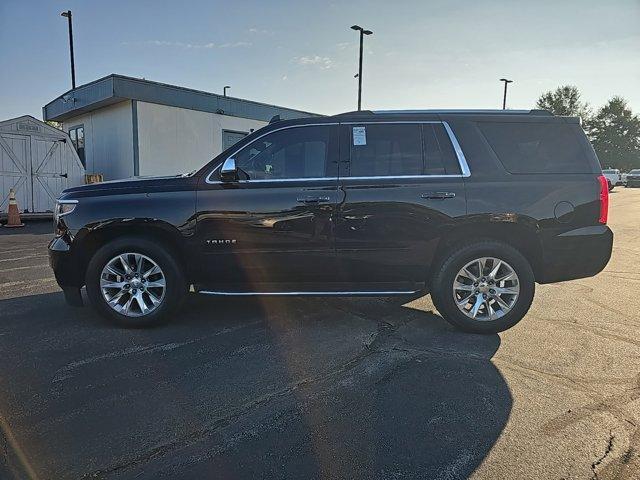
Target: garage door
x,y
53,170
15,170
38,168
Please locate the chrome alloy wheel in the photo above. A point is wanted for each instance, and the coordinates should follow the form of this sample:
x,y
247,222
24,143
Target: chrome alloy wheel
x,y
132,284
486,288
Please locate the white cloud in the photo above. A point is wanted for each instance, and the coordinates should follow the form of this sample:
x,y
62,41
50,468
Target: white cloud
x,y
261,31
235,45
314,60
195,46
284,77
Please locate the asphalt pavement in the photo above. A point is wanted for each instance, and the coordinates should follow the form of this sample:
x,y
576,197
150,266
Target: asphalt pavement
x,y
321,388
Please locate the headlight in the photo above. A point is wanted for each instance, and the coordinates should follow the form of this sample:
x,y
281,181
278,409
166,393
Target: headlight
x,y
63,207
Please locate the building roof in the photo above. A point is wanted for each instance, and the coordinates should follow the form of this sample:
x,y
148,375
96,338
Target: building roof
x,y
116,88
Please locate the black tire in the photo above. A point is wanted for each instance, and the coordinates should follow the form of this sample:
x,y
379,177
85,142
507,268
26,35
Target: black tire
x,y
610,186
176,287
455,259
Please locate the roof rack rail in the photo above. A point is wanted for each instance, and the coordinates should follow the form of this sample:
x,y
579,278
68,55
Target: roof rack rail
x,y
466,111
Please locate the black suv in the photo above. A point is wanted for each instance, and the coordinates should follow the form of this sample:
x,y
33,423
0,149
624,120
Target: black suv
x,y
474,207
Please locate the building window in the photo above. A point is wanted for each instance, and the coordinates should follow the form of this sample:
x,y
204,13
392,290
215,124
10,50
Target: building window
x,y
77,138
230,138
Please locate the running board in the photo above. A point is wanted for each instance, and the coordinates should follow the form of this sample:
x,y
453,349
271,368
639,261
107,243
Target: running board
x,y
310,294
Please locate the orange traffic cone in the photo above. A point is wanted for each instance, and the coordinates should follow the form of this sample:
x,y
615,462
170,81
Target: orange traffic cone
x,y
13,213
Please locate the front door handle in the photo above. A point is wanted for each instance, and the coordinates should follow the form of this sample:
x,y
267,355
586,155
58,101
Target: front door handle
x,y
438,195
314,199
65,175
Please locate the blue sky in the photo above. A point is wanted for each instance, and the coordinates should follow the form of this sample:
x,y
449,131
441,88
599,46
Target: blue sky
x,y
302,54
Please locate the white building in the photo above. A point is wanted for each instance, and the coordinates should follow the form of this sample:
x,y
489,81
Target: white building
x,y
37,161
125,126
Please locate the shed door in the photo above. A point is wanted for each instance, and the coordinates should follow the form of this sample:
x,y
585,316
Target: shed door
x,y
54,169
15,170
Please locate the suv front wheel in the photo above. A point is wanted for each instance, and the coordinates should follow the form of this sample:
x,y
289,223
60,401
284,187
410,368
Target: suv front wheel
x,y
483,287
134,282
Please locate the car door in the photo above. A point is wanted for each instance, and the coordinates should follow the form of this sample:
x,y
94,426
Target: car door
x,y
275,223
403,186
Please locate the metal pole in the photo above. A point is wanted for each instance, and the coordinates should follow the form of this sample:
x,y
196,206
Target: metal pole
x,y
504,98
360,73
73,66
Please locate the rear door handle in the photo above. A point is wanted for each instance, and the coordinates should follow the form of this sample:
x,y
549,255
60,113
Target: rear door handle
x,y
314,199
438,195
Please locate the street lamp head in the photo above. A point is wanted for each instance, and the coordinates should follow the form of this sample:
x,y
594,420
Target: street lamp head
x,y
506,81
356,27
66,14
227,86
367,32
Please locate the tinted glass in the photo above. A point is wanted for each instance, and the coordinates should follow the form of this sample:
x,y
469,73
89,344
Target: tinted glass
x,y
536,147
386,150
291,153
77,139
440,158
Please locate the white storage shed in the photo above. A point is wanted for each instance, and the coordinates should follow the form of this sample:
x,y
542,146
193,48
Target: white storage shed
x,y
126,126
38,161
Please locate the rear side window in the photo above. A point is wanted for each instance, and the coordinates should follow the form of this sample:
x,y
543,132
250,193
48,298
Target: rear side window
x,y
440,159
387,149
537,147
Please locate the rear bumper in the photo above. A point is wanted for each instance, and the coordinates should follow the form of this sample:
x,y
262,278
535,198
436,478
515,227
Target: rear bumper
x,y
633,183
579,253
66,268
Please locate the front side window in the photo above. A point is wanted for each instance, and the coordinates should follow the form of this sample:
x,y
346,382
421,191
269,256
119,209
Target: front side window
x,y
77,138
299,152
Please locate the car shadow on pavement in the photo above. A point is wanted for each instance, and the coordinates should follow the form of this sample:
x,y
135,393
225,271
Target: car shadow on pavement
x,y
268,388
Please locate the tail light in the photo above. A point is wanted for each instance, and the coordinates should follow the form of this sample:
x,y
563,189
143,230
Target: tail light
x,y
604,199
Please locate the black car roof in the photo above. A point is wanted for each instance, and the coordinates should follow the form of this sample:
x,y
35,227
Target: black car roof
x,y
431,115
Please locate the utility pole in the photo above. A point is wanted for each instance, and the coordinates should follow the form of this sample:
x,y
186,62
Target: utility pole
x,y
363,32
73,67
504,98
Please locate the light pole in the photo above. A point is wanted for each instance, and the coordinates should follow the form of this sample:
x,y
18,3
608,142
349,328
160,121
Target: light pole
x,y
504,98
363,32
73,67
224,90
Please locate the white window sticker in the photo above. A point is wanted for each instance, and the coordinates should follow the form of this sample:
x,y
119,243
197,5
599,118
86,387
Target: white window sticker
x,y
359,136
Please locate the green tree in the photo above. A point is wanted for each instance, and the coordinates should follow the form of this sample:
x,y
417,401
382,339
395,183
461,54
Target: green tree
x,y
615,135
565,101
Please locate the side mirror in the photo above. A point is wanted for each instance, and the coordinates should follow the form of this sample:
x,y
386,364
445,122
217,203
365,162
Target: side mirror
x,y
229,171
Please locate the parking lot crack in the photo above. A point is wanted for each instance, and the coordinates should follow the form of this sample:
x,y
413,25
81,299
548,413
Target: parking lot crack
x,y
596,464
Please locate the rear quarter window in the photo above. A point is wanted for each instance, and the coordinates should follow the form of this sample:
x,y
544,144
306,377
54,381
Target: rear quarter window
x,y
538,147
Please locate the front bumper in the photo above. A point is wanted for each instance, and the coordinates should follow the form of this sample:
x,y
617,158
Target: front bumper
x,y
67,269
633,183
579,253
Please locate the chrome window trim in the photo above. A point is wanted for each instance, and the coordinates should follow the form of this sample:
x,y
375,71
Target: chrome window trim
x,y
464,166
462,161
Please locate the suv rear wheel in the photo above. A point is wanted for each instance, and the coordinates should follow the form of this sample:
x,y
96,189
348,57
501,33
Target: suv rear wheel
x,y
134,282
483,287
